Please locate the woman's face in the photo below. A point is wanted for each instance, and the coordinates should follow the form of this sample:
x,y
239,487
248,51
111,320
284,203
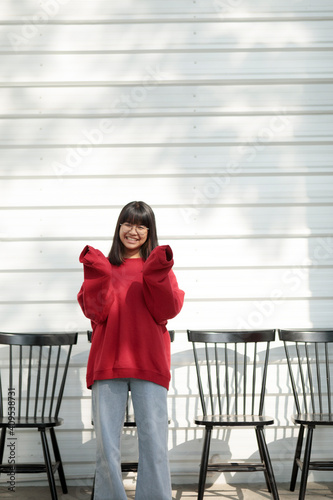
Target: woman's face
x,y
132,237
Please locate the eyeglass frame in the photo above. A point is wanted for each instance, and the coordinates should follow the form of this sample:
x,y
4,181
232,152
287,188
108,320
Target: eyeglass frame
x,y
132,226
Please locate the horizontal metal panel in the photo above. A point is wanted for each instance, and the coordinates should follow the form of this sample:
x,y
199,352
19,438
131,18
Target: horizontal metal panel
x,y
299,253
74,9
223,160
155,69
217,284
86,134
166,37
38,287
185,191
187,222
267,313
102,9
165,100
42,317
270,284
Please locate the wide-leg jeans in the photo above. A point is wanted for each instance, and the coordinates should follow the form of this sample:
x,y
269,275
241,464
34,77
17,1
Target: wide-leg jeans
x,y
151,415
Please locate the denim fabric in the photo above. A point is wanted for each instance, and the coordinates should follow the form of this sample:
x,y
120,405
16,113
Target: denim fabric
x,y
150,408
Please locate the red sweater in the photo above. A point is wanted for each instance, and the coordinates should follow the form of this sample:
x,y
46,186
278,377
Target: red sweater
x,y
129,306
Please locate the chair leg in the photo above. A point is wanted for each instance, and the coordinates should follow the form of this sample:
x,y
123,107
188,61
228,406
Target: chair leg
x,y
93,488
297,456
204,462
306,463
58,459
262,457
48,463
268,463
2,443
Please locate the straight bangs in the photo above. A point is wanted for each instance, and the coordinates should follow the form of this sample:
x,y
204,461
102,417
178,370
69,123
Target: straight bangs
x,y
137,213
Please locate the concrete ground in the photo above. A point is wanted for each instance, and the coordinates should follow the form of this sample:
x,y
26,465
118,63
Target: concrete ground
x,y
315,491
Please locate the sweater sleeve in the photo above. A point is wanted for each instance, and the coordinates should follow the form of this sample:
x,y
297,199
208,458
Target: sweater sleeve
x,y
162,295
96,295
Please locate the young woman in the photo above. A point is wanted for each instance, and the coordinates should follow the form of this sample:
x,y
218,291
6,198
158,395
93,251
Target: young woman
x,y
129,297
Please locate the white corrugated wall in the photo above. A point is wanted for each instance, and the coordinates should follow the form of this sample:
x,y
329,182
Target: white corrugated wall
x,y
219,115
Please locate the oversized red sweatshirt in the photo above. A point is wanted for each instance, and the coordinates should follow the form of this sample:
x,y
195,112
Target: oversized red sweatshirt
x,y
129,306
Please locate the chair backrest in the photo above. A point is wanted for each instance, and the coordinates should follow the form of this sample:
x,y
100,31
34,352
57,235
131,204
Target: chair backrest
x,y
309,356
231,369
33,372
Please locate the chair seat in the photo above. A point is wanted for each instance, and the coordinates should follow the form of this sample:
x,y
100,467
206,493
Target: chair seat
x,y
25,422
234,420
313,418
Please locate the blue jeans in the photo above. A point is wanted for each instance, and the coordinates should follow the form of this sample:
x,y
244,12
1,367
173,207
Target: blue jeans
x,y
151,415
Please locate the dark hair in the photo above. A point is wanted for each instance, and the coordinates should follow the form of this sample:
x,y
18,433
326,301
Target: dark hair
x,y
135,212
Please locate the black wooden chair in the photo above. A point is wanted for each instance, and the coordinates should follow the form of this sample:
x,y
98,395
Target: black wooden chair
x,y
309,354
129,420
232,381
33,372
